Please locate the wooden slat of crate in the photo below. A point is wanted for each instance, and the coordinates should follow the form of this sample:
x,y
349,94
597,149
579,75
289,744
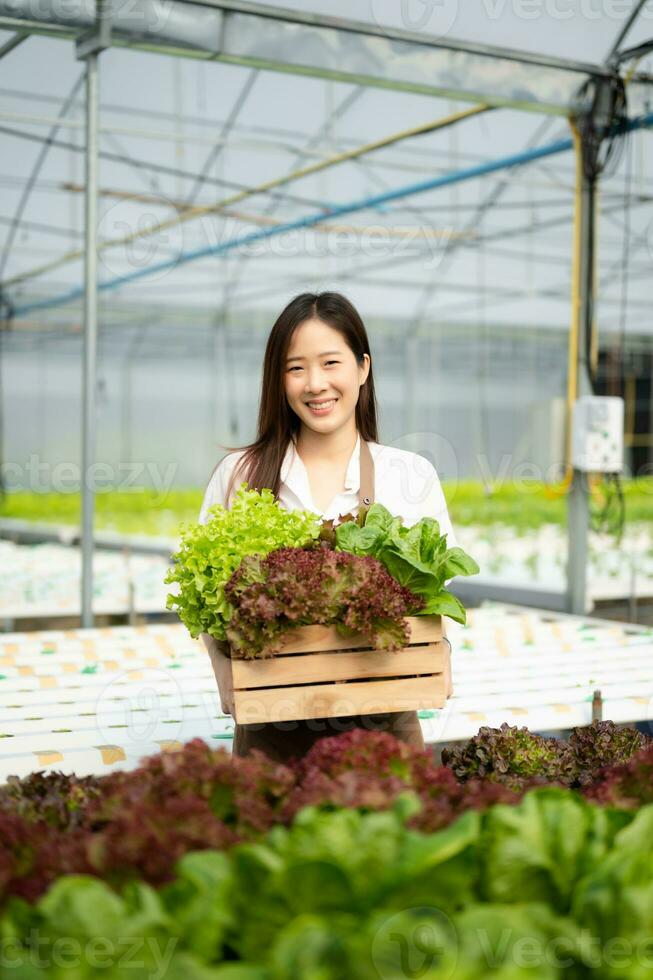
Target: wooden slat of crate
x,y
311,668
423,629
336,700
222,665
319,672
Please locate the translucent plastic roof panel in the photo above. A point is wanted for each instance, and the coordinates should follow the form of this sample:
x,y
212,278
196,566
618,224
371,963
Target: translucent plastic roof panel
x,y
429,60
405,229
575,29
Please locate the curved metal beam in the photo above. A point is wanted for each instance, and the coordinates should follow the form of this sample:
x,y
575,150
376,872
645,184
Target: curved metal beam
x,y
277,39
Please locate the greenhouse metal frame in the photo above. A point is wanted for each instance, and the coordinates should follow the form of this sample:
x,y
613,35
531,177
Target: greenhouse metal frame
x,y
280,40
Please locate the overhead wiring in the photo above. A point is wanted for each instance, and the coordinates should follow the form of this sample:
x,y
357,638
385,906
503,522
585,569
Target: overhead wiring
x,y
36,169
604,133
153,165
607,506
194,212
350,100
6,314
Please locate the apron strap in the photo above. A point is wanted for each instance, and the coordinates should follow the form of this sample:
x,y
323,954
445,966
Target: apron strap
x,y
366,492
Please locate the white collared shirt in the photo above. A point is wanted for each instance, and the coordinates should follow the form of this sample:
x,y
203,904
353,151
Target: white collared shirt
x,y
404,482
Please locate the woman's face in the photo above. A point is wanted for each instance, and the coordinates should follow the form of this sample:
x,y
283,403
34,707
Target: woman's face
x,y
321,367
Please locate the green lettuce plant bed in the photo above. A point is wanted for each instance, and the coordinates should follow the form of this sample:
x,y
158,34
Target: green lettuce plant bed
x,y
364,859
307,619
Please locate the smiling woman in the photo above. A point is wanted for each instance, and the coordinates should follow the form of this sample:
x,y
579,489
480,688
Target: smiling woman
x,y
324,384
317,449
317,352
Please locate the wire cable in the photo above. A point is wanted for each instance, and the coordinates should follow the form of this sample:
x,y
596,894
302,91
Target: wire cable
x,y
610,514
599,123
36,169
6,313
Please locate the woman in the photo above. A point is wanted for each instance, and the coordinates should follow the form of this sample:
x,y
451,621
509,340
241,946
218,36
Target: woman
x,y
317,449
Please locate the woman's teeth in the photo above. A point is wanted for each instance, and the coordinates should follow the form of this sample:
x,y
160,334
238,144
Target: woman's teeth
x,y
321,408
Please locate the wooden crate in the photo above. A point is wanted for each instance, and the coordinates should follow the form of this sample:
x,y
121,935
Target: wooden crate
x,y
319,674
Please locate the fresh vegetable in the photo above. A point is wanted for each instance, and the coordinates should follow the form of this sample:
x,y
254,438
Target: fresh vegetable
x,y
552,887
59,800
510,755
416,556
209,554
379,572
139,822
243,793
135,824
369,770
515,756
592,746
627,785
299,586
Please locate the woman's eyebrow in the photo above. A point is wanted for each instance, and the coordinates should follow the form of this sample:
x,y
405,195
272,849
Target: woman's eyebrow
x,y
323,354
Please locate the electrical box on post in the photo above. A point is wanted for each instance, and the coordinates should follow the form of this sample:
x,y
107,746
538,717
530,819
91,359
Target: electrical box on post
x,y
597,443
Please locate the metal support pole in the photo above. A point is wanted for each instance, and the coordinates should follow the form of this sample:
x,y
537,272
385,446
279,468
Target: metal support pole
x,y
578,501
88,49
597,706
12,43
90,339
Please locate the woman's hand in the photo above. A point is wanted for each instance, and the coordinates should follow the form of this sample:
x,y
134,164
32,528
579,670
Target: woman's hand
x,y
218,652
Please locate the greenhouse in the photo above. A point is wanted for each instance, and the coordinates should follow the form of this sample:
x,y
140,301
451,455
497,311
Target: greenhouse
x,y
389,674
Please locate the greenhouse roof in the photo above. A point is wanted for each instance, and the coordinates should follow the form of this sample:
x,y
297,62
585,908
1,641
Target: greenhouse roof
x,y
415,155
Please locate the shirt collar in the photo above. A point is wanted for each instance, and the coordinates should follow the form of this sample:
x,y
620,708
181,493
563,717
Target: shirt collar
x,y
293,472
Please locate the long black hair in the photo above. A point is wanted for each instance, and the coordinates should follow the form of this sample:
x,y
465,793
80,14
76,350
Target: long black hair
x,y
260,464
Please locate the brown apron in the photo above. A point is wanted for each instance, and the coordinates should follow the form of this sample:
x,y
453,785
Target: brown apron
x,y
286,739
